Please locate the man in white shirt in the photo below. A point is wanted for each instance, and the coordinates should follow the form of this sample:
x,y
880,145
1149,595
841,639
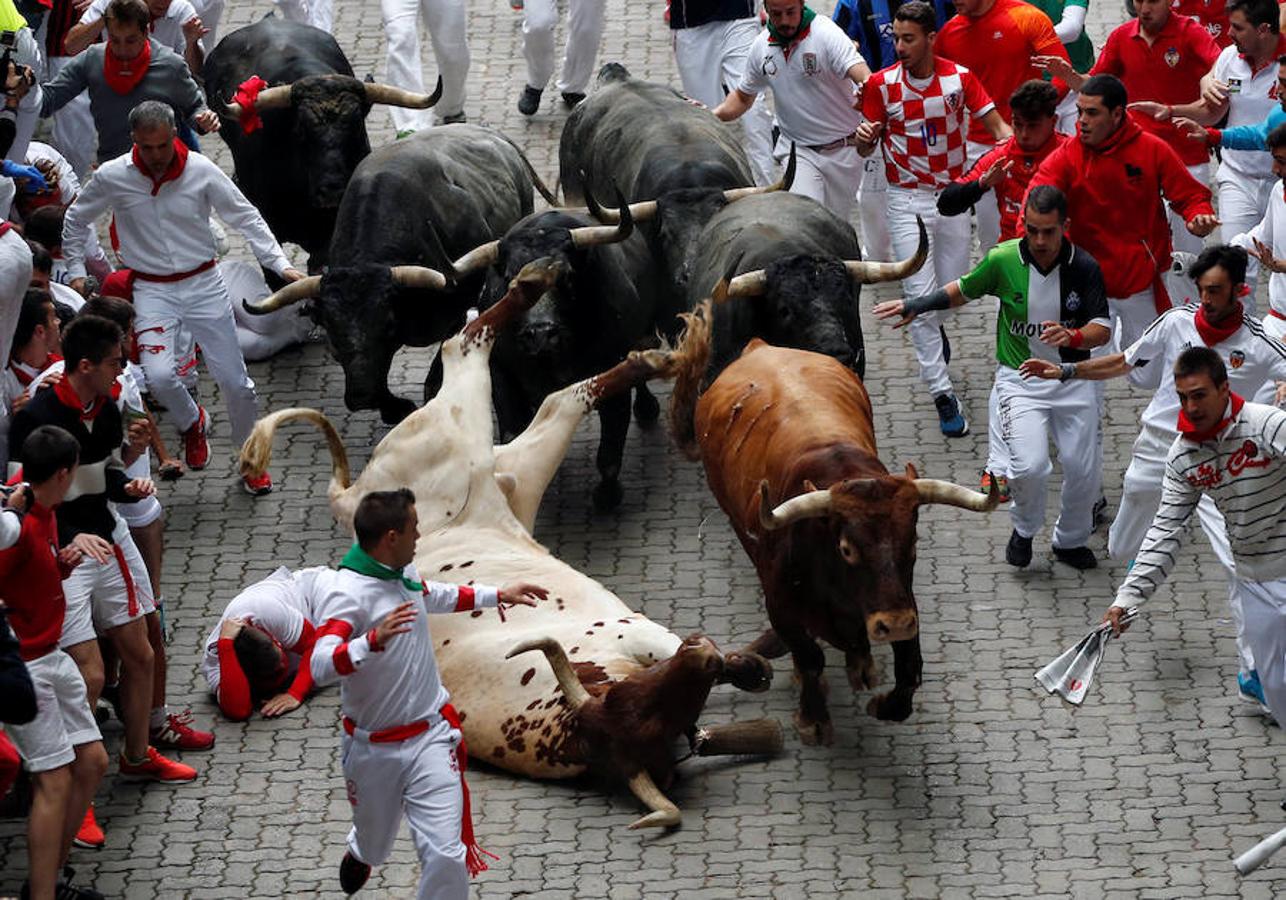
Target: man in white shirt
x,y
176,282
812,69
1266,242
175,24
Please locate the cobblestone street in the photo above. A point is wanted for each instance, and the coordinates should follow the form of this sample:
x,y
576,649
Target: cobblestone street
x,y
991,789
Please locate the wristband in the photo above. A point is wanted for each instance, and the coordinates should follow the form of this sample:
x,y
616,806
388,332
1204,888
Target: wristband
x,y
927,303
1169,113
373,643
1066,371
1214,136
1075,337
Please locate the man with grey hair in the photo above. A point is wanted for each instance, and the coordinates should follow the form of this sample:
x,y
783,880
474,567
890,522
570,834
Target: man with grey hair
x,y
161,197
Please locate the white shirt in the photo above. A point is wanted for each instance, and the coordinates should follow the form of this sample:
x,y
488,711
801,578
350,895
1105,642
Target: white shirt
x,y
812,93
168,30
167,232
1252,96
63,294
1271,232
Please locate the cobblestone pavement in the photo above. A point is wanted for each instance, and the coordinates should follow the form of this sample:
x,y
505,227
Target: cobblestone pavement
x,y
990,789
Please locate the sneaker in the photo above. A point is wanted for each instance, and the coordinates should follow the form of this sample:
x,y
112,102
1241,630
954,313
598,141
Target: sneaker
x,y
196,449
1002,486
950,419
570,99
352,873
1250,690
89,835
157,768
455,118
1077,557
177,732
1018,551
257,485
946,344
1099,513
529,102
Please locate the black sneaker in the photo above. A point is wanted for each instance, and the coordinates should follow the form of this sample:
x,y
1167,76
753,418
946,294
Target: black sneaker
x,y
572,98
529,102
1077,557
1018,551
950,419
455,118
1099,513
352,871
946,344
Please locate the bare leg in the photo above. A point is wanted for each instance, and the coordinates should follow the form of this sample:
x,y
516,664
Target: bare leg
x,y
90,662
156,640
87,772
136,684
150,540
45,827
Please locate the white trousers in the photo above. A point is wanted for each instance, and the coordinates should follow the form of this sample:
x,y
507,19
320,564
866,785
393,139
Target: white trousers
x,y
584,30
445,21
830,178
1180,287
201,306
1131,316
986,210
1242,204
1030,414
872,210
317,13
74,130
948,260
420,778
712,57
1264,604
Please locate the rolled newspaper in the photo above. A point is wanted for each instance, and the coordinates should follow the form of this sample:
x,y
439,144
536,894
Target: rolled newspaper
x,y
1070,674
1257,855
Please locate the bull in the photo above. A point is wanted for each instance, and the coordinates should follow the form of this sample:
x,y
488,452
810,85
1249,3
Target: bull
x,y
788,444
410,209
618,689
295,168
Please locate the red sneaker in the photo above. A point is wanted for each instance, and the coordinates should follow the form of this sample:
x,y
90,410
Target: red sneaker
x,y
257,485
157,768
178,732
196,449
90,836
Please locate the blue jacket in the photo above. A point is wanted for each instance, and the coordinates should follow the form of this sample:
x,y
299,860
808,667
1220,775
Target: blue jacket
x,y
1252,137
870,23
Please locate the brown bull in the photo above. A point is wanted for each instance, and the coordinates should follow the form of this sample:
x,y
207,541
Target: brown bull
x,y
789,450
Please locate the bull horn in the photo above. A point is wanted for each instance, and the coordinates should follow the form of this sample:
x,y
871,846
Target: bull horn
x,y
418,277
874,272
639,212
805,506
782,184
291,293
269,98
664,813
573,690
396,96
478,258
748,284
594,235
949,494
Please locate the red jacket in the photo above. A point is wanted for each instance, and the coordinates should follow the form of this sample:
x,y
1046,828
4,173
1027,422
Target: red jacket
x,y
1114,198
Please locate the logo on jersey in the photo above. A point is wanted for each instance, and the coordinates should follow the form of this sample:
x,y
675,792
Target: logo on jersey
x,y
1236,358
1244,458
1214,28
770,67
1024,329
1133,171
1207,476
810,64
1073,301
996,35
1172,57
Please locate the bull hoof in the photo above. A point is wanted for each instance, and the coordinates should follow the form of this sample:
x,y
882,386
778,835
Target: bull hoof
x,y
814,734
863,675
748,672
608,496
646,408
890,707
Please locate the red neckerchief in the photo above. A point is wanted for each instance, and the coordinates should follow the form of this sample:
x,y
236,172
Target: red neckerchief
x,y
67,394
1190,432
123,75
172,171
1211,333
245,97
27,374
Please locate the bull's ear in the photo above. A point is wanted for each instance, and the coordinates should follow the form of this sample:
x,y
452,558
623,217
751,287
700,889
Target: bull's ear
x,y
911,473
809,486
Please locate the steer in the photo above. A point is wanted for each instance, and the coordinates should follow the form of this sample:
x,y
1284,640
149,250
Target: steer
x,y
296,166
410,208
788,445
618,689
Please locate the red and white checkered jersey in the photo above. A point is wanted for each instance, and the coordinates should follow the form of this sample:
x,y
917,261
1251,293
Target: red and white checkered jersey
x,y
924,121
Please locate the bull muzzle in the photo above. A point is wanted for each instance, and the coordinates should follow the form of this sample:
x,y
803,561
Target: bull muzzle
x,y
892,625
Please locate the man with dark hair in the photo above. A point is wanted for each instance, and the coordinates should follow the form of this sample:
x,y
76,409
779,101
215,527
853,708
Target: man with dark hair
x,y
62,747
1266,241
402,735
1052,307
1257,366
1116,176
1231,451
36,343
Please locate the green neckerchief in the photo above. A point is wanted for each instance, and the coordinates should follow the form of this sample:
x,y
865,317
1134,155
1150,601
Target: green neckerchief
x,y
805,19
361,562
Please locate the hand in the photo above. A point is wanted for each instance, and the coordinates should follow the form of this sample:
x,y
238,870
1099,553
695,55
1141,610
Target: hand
x,y
858,90
697,103
996,174
1201,225
1054,65
231,627
139,434
28,178
19,498
140,488
868,133
18,80
18,402
293,274
53,379
279,706
70,556
170,470
82,5
890,308
207,121
521,594
1214,94
1159,111
1279,396
1040,368
1193,131
77,285
194,30
1113,616
1264,254
1055,334
395,623
92,546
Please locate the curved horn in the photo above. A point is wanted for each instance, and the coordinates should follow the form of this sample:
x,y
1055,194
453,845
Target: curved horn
x,y
664,813
477,258
395,96
782,184
291,293
805,506
873,272
945,492
748,284
639,212
418,277
573,690
593,235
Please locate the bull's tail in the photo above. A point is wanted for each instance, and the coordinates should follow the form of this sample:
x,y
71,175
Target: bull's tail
x,y
256,453
551,197
690,361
